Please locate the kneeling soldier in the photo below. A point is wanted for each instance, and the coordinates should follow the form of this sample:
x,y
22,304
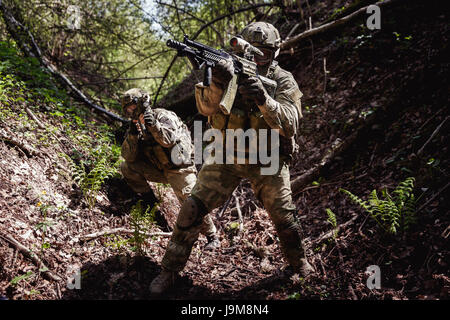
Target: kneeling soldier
x,y
147,150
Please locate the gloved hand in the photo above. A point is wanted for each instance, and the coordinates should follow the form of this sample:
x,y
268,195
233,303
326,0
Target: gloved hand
x,y
223,72
251,88
149,117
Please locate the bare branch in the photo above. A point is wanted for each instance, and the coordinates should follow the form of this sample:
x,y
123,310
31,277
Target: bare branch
x,y
332,25
32,256
121,230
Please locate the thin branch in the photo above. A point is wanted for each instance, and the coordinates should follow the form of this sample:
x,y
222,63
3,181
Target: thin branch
x,y
121,230
152,18
140,61
432,135
32,256
33,116
21,145
332,25
182,10
331,233
227,203
239,212
164,78
337,146
433,197
120,79
178,16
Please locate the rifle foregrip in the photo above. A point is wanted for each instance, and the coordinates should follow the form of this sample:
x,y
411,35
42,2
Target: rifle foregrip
x,y
208,76
229,95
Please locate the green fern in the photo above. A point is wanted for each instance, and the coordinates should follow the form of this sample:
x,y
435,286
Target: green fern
x,y
141,222
392,212
90,182
333,221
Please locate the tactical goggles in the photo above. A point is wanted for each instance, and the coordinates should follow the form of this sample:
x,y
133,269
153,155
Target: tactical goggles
x,y
268,55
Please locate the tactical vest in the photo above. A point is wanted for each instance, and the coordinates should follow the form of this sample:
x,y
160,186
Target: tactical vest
x,y
245,115
160,156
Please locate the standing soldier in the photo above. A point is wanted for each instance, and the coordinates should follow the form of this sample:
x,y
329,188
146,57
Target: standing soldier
x,y
147,149
253,108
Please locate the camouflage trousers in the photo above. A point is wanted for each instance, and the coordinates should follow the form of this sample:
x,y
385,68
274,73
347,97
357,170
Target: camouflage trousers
x,y
215,183
138,175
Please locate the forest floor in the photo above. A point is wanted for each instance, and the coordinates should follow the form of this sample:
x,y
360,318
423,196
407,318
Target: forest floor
x,y
397,76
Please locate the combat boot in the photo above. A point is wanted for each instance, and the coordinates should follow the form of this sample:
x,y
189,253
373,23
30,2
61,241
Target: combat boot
x,y
305,268
163,282
213,242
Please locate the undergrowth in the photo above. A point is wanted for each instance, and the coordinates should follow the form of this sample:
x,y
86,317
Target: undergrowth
x,y
90,147
392,212
141,220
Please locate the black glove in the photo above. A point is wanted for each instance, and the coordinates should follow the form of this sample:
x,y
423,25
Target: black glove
x,y
251,88
133,129
149,117
223,72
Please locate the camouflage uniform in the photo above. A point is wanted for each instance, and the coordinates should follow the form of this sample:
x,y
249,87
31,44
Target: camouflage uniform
x,y
216,182
148,159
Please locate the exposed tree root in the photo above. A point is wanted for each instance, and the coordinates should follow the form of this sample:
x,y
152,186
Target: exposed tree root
x,y
32,256
21,145
121,230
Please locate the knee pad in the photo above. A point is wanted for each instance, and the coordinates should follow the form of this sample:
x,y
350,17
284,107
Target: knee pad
x,y
191,213
127,169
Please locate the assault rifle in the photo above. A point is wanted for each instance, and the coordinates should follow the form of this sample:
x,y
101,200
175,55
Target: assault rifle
x,y
203,56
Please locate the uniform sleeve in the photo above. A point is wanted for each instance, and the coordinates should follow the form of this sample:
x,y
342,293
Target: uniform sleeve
x,y
165,130
284,111
130,147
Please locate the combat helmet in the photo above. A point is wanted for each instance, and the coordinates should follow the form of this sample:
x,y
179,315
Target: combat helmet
x,y
135,96
262,34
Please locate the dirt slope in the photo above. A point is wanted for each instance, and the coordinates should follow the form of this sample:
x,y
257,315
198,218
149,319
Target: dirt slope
x,y
396,78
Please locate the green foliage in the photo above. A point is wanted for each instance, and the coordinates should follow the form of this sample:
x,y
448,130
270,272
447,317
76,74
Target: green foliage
x,y
294,296
161,189
399,37
332,220
44,223
102,162
17,279
22,79
117,243
392,212
336,12
126,39
90,182
141,220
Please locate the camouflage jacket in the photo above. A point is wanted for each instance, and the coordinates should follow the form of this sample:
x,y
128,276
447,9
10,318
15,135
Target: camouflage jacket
x,y
167,140
281,112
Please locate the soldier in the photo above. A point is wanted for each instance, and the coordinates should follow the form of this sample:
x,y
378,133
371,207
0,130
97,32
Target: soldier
x,y
252,108
147,149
